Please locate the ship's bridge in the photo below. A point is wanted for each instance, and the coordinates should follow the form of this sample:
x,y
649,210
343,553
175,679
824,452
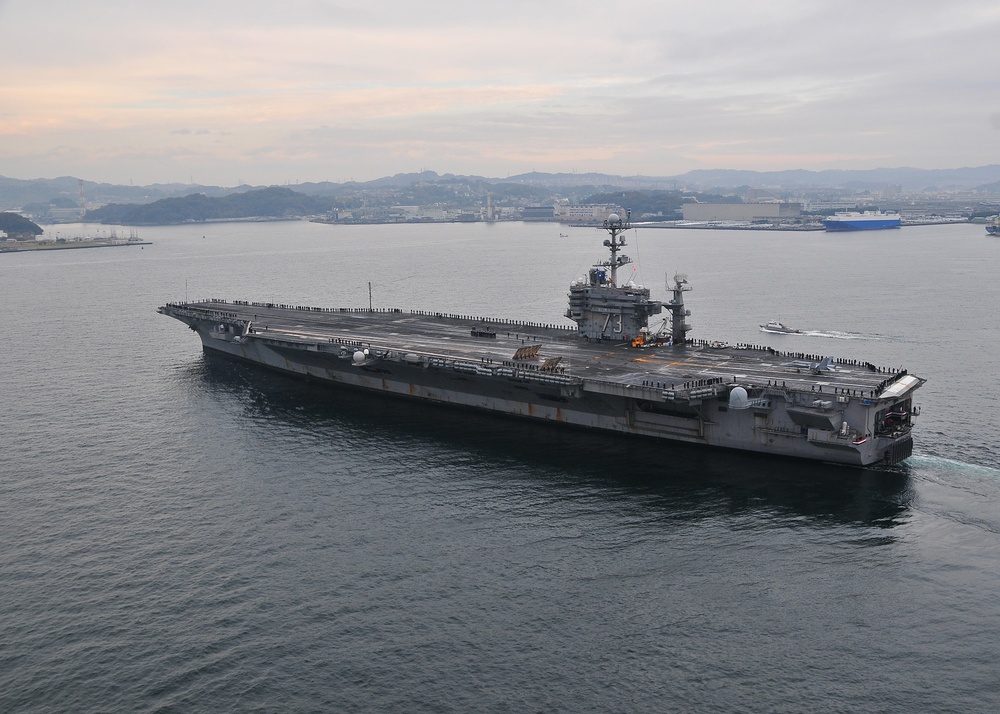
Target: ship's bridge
x,y
603,309
610,313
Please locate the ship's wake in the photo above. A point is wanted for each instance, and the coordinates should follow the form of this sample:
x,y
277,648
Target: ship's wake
x,y
957,491
953,466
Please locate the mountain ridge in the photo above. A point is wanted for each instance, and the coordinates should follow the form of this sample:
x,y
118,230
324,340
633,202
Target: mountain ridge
x,y
908,177
36,196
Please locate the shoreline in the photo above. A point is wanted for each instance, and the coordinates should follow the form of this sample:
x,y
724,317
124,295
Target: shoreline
x,y
76,245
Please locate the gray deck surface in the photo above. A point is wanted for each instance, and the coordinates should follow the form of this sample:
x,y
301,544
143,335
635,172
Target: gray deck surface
x,y
449,337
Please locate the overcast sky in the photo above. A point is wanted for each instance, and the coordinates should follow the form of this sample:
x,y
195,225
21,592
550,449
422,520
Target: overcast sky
x,y
230,91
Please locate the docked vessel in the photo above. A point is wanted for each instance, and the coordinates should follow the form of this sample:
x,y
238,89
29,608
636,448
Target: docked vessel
x,y
993,227
862,221
609,372
781,329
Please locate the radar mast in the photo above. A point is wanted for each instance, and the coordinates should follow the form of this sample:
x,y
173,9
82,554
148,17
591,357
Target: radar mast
x,y
615,226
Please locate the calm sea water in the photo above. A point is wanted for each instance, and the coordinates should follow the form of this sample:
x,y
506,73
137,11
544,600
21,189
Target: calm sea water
x,y
184,534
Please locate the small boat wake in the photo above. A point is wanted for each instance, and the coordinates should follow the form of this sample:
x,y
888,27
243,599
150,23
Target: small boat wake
x,y
837,335
776,328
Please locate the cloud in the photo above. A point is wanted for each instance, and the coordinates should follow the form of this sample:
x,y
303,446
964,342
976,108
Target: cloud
x,y
353,89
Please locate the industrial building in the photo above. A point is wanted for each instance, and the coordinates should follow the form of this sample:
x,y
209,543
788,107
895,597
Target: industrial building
x,y
740,211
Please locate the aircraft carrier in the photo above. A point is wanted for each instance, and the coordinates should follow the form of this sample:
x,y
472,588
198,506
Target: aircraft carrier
x,y
609,372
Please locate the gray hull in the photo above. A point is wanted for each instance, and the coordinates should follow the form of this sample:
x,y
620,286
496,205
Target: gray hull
x,y
780,420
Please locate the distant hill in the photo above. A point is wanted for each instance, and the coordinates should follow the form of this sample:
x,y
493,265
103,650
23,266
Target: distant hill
x,y
16,225
272,202
908,179
18,193
655,204
54,199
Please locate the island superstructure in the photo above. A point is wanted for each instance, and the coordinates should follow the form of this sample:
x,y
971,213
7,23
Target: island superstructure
x,y
609,372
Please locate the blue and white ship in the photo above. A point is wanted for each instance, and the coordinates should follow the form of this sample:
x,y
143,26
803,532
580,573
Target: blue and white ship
x,y
862,221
